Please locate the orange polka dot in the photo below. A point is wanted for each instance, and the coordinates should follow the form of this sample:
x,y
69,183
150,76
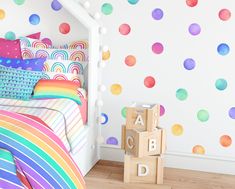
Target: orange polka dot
x,y
177,129
106,55
198,149
225,140
130,60
116,89
2,14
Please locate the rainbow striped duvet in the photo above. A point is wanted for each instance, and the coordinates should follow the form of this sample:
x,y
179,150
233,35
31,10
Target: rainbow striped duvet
x,y
32,156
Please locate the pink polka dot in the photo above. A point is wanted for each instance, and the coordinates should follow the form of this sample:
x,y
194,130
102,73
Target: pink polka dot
x,y
162,110
47,41
149,82
64,28
157,48
130,60
224,14
191,3
124,29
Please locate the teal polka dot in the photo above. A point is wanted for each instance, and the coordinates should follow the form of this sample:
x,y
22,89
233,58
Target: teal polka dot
x,y
181,94
19,2
221,84
133,2
107,8
10,35
124,112
203,115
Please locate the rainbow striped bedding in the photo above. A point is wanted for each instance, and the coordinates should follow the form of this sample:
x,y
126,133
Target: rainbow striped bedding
x,y
32,156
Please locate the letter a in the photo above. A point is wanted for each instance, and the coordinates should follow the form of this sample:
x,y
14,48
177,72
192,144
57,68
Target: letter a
x,y
139,120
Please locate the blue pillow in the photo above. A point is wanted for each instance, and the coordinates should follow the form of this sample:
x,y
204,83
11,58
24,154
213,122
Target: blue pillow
x,y
17,83
35,64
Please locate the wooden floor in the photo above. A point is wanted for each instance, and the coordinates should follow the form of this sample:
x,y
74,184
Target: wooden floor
x,y
109,175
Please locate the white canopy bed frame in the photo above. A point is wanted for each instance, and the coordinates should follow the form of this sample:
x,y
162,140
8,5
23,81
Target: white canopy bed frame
x,y
89,154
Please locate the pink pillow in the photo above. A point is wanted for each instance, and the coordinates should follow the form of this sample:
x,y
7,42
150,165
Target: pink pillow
x,y
11,48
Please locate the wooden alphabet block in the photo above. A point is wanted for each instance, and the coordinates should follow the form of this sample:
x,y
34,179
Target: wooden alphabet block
x,y
142,116
143,170
143,143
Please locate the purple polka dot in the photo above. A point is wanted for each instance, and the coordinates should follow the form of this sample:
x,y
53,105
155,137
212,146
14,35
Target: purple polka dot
x,y
55,5
112,141
232,112
157,48
157,14
189,64
194,29
47,41
162,110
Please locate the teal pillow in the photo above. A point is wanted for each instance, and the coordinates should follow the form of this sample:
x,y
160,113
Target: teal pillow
x,y
18,84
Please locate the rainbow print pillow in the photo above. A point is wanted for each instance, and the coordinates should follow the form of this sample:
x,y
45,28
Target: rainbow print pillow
x,y
28,42
45,89
56,54
80,44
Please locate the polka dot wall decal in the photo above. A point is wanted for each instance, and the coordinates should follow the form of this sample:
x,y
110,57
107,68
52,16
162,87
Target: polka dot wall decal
x,y
133,2
224,14
149,82
47,41
19,2
225,140
157,14
223,49
157,48
191,3
34,19
64,28
104,119
162,110
107,9
55,5
194,29
116,89
112,141
198,149
124,29
177,129
203,115
106,55
10,35
124,112
189,64
181,94
130,60
2,14
221,84
232,112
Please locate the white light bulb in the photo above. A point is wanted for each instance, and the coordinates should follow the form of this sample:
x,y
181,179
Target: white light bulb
x,y
96,16
102,88
99,103
103,30
86,4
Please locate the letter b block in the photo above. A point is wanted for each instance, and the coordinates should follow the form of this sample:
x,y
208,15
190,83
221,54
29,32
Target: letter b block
x,y
143,170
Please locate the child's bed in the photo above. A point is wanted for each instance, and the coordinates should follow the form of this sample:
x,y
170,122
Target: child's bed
x,y
74,125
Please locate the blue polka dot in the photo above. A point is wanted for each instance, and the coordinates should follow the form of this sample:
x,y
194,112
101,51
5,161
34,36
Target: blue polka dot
x,y
112,141
189,64
223,49
133,2
34,19
55,5
105,119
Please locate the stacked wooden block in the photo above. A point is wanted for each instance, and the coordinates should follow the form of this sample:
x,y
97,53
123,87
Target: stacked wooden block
x,y
144,144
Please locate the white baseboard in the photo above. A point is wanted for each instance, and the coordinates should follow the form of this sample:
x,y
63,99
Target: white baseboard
x,y
204,163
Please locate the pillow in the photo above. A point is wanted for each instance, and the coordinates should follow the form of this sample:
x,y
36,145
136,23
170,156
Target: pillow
x,y
56,54
17,84
57,89
28,42
79,79
11,48
80,44
35,64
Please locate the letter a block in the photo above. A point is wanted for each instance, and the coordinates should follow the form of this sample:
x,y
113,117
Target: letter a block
x,y
143,170
142,116
143,143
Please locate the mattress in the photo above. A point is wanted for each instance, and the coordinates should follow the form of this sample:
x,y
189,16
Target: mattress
x,y
62,115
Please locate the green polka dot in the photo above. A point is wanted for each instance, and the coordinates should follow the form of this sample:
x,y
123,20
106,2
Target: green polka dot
x,y
203,115
19,2
10,35
221,84
124,112
107,8
181,94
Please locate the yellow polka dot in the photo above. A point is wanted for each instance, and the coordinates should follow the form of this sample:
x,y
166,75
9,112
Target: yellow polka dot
x,y
2,14
198,149
116,89
106,55
177,130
